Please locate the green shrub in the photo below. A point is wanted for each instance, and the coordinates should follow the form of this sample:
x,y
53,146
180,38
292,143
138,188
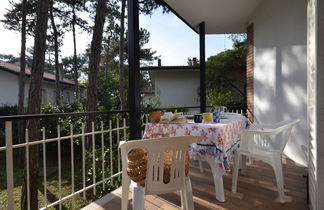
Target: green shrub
x,y
110,184
6,110
216,98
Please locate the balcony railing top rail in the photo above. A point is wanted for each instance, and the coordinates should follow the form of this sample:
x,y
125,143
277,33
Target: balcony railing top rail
x,y
43,116
53,115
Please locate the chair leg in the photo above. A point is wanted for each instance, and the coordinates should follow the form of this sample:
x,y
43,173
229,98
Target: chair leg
x,y
138,197
201,167
188,195
125,191
277,167
183,197
235,171
243,164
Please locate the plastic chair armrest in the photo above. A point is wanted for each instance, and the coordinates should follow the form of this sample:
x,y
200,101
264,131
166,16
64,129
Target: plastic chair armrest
x,y
121,143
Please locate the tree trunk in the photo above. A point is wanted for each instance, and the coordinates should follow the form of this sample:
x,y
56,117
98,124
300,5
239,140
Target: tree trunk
x,y
56,56
34,105
122,95
94,60
21,93
75,61
107,57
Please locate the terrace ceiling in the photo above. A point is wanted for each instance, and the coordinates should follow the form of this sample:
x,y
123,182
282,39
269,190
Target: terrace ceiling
x,y
220,16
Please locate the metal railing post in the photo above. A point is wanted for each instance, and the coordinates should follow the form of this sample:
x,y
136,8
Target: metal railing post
x,y
9,163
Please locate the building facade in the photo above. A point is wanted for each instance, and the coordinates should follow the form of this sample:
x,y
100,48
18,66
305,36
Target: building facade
x,y
174,85
9,86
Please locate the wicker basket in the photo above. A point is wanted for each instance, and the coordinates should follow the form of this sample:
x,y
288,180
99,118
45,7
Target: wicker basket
x,y
137,164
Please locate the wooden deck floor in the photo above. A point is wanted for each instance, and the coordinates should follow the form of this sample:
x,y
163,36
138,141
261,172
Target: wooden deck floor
x,y
256,190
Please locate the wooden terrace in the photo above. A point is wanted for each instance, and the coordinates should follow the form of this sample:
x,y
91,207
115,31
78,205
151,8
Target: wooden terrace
x,y
256,190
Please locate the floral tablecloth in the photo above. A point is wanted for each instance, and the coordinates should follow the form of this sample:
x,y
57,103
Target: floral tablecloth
x,y
217,140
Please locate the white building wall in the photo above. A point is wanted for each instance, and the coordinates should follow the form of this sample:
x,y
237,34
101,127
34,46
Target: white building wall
x,y
177,87
280,69
9,87
68,95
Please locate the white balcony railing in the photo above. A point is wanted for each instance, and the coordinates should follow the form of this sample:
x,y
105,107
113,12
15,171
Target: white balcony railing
x,y
105,140
104,136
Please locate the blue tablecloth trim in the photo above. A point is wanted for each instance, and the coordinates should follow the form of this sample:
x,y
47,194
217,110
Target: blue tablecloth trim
x,y
235,146
213,151
206,145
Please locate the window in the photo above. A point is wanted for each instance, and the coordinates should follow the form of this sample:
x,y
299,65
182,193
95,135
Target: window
x,y
44,96
68,97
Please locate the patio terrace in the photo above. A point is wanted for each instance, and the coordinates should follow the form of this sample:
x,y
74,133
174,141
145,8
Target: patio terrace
x,y
256,190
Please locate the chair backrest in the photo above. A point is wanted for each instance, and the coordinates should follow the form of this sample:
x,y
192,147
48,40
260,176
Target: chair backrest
x,y
268,137
175,148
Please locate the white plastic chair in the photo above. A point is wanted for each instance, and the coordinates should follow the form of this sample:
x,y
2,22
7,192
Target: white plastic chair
x,y
266,143
155,168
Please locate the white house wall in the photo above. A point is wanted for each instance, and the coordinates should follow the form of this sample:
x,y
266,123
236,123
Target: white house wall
x,y
280,69
177,88
9,86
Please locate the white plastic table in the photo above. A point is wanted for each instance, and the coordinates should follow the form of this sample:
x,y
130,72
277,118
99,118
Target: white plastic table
x,y
217,142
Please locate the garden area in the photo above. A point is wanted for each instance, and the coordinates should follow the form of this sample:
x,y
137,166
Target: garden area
x,y
58,189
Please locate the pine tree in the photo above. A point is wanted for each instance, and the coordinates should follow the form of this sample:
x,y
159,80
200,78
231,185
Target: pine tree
x,y
34,104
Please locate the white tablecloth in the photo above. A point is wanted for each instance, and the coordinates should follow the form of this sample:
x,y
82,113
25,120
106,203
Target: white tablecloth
x,y
217,140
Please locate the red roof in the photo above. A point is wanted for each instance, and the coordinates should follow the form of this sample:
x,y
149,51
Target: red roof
x,y
14,68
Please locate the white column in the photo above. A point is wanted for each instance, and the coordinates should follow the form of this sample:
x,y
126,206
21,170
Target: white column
x,y
320,99
315,101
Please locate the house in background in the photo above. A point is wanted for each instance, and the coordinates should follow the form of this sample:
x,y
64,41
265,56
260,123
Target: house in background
x,y
9,86
173,85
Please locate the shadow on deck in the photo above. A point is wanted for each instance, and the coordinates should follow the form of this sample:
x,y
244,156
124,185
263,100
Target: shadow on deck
x,y
256,190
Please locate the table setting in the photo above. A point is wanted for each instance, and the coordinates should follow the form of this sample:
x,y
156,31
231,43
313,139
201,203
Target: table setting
x,y
219,133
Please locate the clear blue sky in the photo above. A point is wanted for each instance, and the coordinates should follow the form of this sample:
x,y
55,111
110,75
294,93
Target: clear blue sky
x,y
173,40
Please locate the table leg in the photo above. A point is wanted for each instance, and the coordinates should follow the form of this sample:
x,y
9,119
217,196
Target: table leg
x,y
219,189
201,167
218,181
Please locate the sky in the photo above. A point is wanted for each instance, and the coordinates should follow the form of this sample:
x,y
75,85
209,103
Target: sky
x,y
172,39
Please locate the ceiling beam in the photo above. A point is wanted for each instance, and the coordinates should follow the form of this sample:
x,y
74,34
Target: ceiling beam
x,y
176,14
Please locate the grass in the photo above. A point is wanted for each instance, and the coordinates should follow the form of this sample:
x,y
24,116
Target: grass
x,y
52,184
